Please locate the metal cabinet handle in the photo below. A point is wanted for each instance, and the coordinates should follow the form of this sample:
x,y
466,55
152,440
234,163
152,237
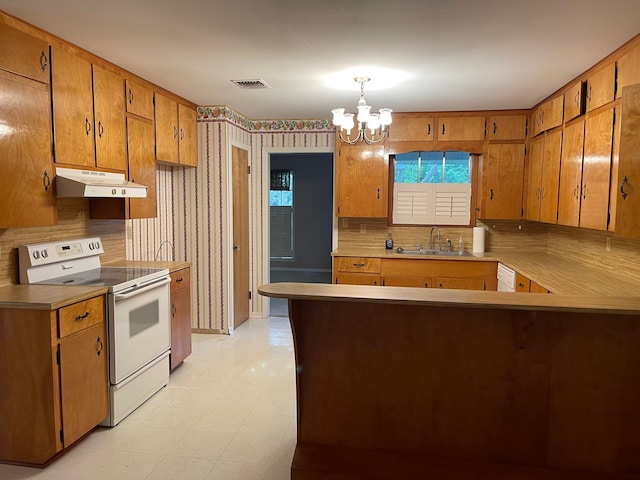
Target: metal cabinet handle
x,y
624,194
378,194
175,131
179,280
46,181
495,128
79,318
173,310
44,61
236,248
584,191
358,265
87,126
577,99
99,346
130,96
443,128
576,192
100,129
181,134
428,129
491,194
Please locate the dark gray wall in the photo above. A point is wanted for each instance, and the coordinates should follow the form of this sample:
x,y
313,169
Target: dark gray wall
x,y
313,208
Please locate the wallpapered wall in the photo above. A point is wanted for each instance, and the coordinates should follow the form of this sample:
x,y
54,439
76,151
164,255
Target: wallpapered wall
x,y
194,209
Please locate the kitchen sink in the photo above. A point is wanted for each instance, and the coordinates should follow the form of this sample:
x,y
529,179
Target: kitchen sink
x,y
434,252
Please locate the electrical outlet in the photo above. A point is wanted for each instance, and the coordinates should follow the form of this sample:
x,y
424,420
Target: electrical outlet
x,y
608,244
345,222
363,228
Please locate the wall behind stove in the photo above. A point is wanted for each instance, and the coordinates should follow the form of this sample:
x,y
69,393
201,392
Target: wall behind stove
x,y
73,222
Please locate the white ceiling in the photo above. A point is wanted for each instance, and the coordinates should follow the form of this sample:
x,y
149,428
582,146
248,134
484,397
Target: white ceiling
x,y
454,54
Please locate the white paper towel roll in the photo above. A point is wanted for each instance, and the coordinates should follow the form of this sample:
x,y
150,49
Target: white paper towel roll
x,y
478,239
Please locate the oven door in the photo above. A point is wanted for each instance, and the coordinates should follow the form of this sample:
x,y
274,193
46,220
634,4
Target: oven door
x,y
139,327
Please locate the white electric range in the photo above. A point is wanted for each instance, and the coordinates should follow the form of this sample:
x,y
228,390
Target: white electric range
x,y
138,321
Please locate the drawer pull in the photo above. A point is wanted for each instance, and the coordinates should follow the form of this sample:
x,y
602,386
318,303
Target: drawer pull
x,y
358,265
79,318
179,280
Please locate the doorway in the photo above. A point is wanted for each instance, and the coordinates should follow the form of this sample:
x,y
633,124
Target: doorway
x,y
241,291
301,220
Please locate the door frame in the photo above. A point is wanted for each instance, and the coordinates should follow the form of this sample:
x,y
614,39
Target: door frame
x,y
263,305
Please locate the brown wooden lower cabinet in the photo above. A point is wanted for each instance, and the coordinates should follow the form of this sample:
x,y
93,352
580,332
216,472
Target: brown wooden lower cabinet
x,y
524,285
427,273
53,379
180,316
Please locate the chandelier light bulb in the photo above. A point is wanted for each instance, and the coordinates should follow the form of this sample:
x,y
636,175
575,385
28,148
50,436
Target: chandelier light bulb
x,y
376,123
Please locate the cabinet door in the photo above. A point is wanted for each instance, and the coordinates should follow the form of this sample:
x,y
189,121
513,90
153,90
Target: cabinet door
x,y
601,87
188,136
409,129
83,382
180,327
110,124
139,100
361,181
537,288
23,54
534,175
166,129
628,184
522,283
596,170
72,91
503,172
628,70
407,281
142,167
573,101
614,192
357,278
461,128
357,264
507,127
550,178
26,190
552,112
571,175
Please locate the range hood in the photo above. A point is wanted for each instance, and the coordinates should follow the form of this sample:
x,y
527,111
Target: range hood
x,y
71,182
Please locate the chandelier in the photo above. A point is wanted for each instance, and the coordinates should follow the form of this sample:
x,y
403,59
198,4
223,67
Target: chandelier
x,y
376,123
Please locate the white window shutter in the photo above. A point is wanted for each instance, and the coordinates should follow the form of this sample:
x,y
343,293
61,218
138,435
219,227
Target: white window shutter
x,y
452,203
412,203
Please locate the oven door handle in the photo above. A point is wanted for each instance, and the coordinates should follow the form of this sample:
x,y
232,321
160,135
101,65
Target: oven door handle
x,y
136,290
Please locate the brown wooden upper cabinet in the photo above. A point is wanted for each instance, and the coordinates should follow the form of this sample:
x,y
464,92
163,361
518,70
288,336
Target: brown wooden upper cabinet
x,y
628,181
460,128
414,128
361,181
543,173
139,99
601,87
176,134
574,101
23,54
502,177
26,183
88,113
547,116
628,70
507,127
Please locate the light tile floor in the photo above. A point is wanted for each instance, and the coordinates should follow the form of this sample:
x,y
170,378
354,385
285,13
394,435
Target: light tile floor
x,y
227,413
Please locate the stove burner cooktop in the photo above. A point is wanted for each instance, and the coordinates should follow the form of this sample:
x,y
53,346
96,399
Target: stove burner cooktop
x,y
104,276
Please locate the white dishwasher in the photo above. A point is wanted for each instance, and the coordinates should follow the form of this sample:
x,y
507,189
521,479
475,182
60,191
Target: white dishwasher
x,y
506,279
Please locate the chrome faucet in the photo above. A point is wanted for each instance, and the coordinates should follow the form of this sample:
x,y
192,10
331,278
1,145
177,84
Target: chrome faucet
x,y
448,244
431,236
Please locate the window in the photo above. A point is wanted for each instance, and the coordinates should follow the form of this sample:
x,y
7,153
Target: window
x,y
281,215
432,188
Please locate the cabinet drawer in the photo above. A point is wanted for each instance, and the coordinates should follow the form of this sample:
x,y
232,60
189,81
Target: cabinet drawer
x,y
180,280
80,315
357,264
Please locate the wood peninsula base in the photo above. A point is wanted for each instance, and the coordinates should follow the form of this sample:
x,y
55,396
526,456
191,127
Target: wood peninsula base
x,y
396,383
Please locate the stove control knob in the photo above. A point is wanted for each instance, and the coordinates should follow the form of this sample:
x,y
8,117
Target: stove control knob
x,y
90,245
45,254
97,244
36,254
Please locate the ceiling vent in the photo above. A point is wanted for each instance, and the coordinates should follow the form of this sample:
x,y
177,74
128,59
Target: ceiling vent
x,y
253,84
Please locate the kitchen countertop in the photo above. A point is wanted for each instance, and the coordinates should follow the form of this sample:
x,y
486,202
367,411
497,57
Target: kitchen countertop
x,y
554,272
45,297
